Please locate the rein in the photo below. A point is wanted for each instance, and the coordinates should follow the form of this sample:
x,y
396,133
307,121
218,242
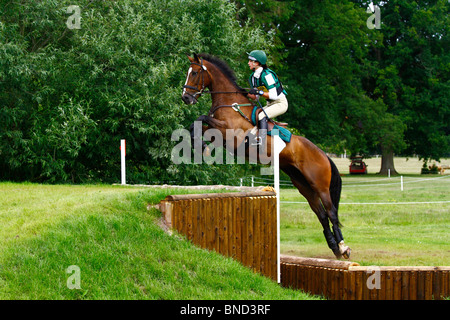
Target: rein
x,y
236,107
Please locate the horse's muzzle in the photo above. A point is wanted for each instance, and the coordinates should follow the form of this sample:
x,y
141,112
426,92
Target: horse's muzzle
x,y
188,99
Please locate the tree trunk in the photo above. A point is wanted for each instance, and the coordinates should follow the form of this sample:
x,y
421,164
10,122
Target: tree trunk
x,y
387,163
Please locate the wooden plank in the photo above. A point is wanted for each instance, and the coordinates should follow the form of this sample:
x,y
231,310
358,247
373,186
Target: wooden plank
x,y
176,216
445,284
168,212
428,285
389,285
257,233
382,290
273,232
329,293
189,214
412,285
209,221
397,285
420,286
216,227
298,276
203,220
341,291
219,195
359,284
405,284
266,253
197,228
238,229
351,286
323,281
302,277
250,232
325,263
313,280
345,292
244,228
232,229
226,214
182,217
436,285
366,291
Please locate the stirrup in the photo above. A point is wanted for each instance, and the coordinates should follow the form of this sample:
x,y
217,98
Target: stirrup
x,y
257,141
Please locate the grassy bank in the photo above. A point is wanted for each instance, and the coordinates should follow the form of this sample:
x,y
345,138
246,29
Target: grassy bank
x,y
115,242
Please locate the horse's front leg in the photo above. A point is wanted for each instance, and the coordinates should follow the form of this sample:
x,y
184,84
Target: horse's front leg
x,y
198,128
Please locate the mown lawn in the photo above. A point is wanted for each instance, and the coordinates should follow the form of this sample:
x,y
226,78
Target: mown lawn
x,y
382,224
119,251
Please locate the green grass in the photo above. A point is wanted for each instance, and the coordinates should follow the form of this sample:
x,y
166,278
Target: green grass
x,y
379,234
122,254
403,165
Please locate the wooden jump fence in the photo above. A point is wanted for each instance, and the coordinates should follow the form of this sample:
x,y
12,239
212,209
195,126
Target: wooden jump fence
x,y
240,225
243,226
341,280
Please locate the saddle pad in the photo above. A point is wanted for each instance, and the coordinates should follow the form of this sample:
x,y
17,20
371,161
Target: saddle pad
x,y
284,133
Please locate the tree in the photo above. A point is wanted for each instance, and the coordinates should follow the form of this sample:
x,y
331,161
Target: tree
x,y
367,90
68,95
411,75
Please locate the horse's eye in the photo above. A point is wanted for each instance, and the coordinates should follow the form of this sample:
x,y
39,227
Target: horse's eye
x,y
194,73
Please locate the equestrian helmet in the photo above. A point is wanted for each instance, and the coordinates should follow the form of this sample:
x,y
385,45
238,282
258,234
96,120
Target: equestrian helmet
x,y
258,55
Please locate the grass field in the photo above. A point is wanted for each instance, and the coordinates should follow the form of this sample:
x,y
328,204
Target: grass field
x,y
403,165
382,224
121,253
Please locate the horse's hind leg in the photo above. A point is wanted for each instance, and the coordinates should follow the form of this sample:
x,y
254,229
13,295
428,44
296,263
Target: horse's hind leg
x,y
331,213
316,205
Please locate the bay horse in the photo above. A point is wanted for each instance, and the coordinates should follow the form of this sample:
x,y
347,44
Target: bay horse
x,y
311,171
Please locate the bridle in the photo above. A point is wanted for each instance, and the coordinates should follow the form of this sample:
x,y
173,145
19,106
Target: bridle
x,y
203,69
202,79
235,106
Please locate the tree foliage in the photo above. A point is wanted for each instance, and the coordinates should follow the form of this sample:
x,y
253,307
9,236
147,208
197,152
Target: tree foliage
x,y
68,96
366,90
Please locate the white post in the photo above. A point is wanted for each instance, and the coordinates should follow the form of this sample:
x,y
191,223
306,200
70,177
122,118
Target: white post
x,y
122,158
253,181
389,173
401,183
278,147
241,181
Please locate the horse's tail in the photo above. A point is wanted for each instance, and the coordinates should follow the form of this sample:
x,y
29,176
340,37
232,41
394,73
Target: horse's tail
x,y
335,187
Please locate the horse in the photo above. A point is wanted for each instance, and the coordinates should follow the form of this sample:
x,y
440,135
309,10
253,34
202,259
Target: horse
x,y
311,171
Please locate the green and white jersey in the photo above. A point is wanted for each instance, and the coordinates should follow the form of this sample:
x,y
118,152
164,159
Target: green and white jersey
x,y
267,80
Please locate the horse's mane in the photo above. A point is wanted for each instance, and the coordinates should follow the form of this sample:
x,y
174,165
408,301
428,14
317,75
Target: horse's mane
x,y
223,66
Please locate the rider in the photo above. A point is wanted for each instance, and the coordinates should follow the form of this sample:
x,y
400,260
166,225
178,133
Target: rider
x,y
265,83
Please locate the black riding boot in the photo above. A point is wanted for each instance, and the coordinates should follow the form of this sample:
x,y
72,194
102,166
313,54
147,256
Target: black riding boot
x,y
263,126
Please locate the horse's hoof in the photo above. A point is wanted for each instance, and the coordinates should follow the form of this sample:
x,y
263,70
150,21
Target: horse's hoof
x,y
207,152
346,254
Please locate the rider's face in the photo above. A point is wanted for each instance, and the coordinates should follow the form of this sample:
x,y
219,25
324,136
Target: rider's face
x,y
253,65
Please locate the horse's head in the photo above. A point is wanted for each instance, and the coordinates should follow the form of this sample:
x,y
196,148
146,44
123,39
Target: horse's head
x,y
197,80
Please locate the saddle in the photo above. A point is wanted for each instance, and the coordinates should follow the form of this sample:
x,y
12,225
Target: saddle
x,y
285,134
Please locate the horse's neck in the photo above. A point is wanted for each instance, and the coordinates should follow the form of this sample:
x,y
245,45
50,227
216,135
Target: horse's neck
x,y
228,93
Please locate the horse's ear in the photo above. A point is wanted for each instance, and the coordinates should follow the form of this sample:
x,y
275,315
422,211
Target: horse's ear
x,y
196,59
190,58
